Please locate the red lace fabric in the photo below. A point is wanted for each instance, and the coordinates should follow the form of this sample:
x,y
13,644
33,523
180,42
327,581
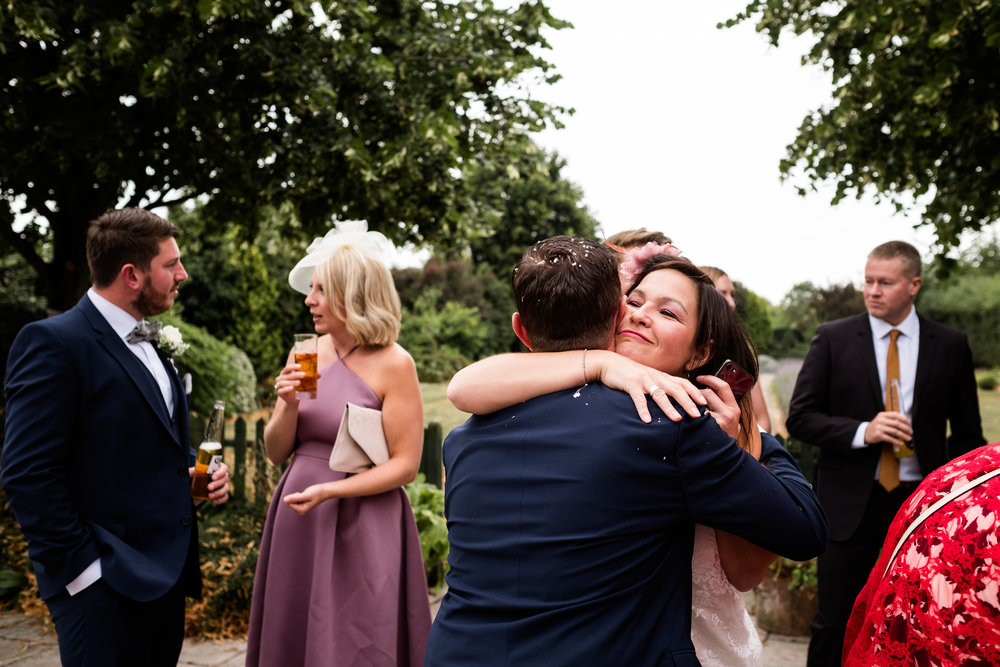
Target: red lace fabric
x,y
938,603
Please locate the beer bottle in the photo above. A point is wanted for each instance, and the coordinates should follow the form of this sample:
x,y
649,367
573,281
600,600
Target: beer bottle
x,y
209,453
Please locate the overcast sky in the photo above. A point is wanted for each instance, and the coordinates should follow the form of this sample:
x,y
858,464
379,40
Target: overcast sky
x,y
680,126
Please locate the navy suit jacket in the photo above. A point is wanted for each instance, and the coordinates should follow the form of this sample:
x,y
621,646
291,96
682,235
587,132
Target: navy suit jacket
x,y
93,465
571,525
839,387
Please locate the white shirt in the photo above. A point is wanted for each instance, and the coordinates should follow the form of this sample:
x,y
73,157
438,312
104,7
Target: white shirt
x,y
123,323
908,345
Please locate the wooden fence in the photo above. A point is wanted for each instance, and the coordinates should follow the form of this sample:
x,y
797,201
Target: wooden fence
x,y
252,477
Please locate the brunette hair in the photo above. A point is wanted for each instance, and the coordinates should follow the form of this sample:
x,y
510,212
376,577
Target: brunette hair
x,y
713,272
359,289
567,292
718,329
636,238
124,236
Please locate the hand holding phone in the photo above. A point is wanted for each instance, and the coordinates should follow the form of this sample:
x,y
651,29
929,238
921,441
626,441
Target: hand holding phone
x,y
738,379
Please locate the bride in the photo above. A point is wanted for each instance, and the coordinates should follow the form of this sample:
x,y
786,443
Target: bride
x,y
665,299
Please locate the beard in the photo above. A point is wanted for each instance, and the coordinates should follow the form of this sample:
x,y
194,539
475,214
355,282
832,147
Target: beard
x,y
151,302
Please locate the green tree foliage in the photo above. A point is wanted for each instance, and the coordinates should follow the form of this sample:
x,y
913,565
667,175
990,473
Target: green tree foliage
x,y
837,301
343,109
218,371
442,337
467,285
915,111
522,198
238,288
970,303
804,308
755,312
969,300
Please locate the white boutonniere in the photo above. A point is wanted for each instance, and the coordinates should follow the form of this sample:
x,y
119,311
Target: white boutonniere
x,y
171,341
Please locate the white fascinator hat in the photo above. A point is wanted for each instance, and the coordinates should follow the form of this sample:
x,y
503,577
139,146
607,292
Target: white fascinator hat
x,y
345,234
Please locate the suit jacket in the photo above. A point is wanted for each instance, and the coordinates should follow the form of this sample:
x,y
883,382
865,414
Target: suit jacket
x,y
93,464
571,526
839,387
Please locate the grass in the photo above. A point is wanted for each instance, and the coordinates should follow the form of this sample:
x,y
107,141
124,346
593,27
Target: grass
x,y
989,408
437,407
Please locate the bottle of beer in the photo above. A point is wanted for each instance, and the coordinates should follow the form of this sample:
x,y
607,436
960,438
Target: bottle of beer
x,y
209,453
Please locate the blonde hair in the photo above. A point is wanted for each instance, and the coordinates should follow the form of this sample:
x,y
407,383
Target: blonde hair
x,y
360,290
713,272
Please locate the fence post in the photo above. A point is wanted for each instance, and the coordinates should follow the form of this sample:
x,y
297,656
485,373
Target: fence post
x,y
238,472
430,461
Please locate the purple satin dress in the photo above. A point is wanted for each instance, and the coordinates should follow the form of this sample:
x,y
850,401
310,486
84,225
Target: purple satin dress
x,y
345,584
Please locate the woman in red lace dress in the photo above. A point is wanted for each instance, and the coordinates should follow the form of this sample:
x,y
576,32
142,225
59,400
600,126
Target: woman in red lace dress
x,y
938,602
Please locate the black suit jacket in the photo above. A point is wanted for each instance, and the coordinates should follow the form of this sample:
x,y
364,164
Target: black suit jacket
x,y
93,464
571,527
839,387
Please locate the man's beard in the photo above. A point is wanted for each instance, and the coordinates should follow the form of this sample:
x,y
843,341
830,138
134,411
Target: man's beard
x,y
150,302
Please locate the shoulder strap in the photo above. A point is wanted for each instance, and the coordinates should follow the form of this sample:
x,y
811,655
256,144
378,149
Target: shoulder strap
x,y
934,508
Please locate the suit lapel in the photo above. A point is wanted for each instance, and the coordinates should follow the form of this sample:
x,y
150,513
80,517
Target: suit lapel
x,y
177,387
869,365
925,362
140,376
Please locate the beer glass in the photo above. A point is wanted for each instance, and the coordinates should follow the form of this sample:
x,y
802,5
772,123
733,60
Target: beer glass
x,y
306,355
901,449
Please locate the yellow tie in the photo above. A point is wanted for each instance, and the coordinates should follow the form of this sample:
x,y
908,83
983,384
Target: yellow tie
x,y
888,474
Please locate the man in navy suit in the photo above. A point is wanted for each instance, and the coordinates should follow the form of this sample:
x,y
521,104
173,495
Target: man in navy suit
x,y
97,461
839,405
571,521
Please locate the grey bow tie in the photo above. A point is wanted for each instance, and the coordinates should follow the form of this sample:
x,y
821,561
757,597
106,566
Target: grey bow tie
x,y
148,331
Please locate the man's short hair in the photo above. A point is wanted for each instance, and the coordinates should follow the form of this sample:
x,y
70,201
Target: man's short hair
x,y
567,292
636,238
902,250
124,236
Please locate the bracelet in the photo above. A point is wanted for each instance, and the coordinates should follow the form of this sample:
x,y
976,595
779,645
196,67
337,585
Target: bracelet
x,y
584,367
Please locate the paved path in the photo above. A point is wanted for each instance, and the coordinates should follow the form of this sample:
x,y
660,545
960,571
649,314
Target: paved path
x,y
26,642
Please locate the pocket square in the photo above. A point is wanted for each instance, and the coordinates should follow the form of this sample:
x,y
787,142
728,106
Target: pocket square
x,y
360,442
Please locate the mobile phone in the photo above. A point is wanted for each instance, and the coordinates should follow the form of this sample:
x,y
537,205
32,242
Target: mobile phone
x,y
738,379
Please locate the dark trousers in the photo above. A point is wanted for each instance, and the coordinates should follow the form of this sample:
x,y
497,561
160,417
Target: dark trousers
x,y
99,627
842,571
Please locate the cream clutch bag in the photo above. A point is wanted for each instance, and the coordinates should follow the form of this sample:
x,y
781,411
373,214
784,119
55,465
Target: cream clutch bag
x,y
360,442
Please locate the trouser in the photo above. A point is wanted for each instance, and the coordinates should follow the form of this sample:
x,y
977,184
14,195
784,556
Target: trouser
x,y
100,627
842,571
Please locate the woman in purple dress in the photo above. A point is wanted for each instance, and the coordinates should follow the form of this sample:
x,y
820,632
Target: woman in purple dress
x,y
340,579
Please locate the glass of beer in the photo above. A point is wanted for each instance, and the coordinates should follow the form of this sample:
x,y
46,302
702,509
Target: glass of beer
x,y
306,355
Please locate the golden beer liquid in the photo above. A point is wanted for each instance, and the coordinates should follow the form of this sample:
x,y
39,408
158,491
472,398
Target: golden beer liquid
x,y
309,363
209,460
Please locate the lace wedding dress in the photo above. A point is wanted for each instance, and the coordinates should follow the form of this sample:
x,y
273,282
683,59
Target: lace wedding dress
x,y
721,629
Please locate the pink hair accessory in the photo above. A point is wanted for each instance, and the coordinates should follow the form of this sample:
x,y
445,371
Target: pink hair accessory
x,y
637,259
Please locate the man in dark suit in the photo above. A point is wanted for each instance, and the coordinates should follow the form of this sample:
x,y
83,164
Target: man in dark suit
x,y
865,469
571,521
97,461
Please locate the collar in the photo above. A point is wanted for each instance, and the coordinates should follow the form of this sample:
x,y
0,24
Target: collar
x,y
120,320
910,326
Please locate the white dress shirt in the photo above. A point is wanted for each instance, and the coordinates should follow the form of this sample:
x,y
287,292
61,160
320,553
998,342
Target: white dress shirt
x,y
908,345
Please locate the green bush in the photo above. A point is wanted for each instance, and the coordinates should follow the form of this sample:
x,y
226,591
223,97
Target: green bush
x,y
218,371
428,509
801,574
442,337
988,381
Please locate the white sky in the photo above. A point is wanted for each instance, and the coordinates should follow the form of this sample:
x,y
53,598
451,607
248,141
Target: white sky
x,y
680,126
